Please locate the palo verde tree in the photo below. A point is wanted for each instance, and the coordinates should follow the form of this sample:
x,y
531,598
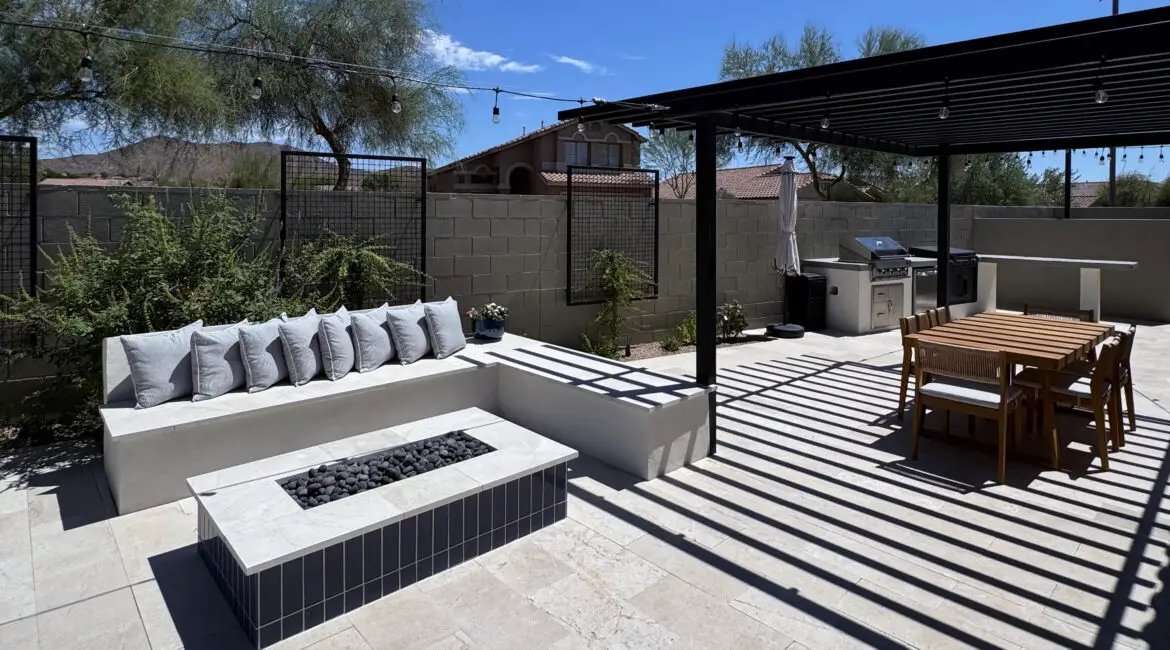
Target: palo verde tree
x,y
136,89
817,47
345,107
673,152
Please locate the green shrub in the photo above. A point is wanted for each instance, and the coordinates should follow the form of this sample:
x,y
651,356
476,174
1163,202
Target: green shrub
x,y
732,320
165,274
670,344
687,331
622,282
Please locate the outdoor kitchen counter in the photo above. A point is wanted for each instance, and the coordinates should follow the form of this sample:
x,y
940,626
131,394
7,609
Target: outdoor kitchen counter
x,y
1090,273
834,263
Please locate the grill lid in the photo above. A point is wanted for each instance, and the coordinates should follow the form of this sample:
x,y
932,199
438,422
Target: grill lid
x,y
871,249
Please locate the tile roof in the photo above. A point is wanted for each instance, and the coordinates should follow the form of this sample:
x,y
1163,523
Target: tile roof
x,y
91,182
628,179
527,136
759,182
1084,194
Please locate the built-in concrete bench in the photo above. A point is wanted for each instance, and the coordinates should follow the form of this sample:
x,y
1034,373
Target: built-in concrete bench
x,y
643,422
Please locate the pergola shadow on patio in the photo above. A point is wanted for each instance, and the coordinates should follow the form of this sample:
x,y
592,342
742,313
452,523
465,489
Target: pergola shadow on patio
x,y
1094,83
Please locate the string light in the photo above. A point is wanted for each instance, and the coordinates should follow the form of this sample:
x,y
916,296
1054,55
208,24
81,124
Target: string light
x,y
825,120
944,111
85,70
1029,160
1142,155
1100,96
257,89
1161,156
691,136
738,132
1101,160
739,145
779,149
581,126
496,108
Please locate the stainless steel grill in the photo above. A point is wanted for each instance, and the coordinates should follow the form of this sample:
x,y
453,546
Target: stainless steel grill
x,y
887,259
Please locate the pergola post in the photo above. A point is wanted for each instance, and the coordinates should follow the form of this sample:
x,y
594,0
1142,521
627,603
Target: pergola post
x,y
705,196
1068,183
944,225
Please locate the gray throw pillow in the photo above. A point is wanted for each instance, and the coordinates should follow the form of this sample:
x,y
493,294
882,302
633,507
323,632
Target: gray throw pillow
x,y
160,364
336,344
372,344
408,327
286,318
263,355
302,348
216,364
445,327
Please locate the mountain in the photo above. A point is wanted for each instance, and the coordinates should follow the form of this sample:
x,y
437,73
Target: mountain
x,y
171,161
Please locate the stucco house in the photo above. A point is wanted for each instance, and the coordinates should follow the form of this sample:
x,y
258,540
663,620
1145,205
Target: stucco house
x,y
762,182
536,162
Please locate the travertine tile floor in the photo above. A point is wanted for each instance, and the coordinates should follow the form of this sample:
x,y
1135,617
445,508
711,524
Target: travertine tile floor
x,y
810,529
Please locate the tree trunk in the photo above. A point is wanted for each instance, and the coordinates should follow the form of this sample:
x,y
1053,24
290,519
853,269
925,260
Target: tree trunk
x,y
337,146
343,167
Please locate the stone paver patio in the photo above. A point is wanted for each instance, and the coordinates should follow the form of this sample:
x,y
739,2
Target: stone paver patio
x,y
810,529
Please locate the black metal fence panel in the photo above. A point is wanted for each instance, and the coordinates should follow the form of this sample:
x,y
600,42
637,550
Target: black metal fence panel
x,y
610,208
377,198
18,224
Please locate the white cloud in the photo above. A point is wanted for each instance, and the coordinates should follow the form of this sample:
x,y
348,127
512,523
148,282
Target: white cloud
x,y
583,66
512,66
451,52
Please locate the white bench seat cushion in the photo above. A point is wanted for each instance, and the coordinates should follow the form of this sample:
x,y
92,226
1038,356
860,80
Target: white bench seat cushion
x,y
123,420
967,392
1064,383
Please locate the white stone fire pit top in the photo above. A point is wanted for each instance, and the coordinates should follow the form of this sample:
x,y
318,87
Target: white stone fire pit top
x,y
263,526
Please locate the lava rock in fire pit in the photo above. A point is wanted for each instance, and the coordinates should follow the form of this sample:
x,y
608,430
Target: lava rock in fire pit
x,y
326,483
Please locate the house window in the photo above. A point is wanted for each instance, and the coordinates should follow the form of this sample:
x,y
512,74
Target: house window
x,y
576,153
609,155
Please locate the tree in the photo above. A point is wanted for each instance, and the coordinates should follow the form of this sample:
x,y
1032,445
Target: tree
x,y
1134,190
137,89
343,108
817,47
1050,186
673,152
991,179
1163,198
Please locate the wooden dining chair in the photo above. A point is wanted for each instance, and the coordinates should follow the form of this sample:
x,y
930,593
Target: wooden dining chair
x,y
924,321
1124,378
1096,392
968,380
908,325
942,315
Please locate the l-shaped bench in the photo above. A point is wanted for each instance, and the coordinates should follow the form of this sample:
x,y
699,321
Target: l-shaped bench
x,y
642,422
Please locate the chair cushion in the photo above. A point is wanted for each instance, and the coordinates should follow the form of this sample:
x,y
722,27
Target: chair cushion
x,y
216,364
302,347
445,327
337,352
372,344
263,355
1063,383
286,318
973,393
160,364
408,326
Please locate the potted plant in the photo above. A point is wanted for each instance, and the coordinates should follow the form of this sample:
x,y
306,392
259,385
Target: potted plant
x,y
489,321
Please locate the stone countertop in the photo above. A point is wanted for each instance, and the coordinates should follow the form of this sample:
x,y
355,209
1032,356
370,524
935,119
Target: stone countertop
x,y
1108,265
834,263
263,527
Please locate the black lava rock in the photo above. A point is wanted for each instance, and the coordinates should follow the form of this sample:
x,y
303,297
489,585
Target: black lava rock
x,y
326,483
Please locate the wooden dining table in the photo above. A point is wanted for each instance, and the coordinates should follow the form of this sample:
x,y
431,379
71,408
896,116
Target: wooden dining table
x,y
1044,343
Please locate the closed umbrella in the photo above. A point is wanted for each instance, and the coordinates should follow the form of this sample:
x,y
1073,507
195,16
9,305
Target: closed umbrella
x,y
787,259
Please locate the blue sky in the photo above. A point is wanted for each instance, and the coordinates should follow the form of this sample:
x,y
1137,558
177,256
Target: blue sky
x,y
615,49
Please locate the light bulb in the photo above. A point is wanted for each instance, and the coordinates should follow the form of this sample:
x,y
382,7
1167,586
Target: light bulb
x,y
1101,161
85,71
691,136
1101,96
739,145
495,114
580,125
257,88
825,122
395,105
738,132
944,112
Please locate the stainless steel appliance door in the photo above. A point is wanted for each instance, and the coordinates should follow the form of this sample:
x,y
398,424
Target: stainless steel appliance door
x,y
925,290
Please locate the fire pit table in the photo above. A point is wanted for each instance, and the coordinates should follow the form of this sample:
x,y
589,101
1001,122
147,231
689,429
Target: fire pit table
x,y
297,539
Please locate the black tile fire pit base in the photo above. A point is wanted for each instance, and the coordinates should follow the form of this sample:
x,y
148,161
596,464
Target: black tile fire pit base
x,y
285,600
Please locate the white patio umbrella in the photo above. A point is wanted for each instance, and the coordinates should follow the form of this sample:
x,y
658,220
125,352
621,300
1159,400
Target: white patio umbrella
x,y
787,259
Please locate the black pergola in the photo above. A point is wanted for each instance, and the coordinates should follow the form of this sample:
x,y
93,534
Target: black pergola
x,y
1095,83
